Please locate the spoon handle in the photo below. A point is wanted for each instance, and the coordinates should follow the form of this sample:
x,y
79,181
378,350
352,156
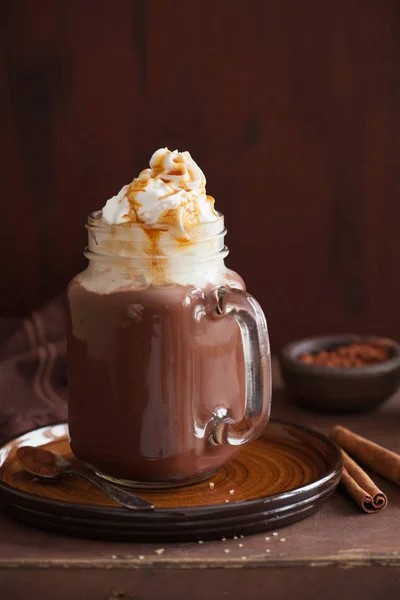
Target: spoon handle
x,y
123,497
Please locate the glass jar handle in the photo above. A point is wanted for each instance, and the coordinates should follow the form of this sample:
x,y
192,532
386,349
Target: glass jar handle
x,y
257,369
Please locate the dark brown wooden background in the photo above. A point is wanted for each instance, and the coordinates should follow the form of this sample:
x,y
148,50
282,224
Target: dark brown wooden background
x,y
291,108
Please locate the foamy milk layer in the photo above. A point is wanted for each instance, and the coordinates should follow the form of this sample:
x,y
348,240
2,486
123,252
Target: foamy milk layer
x,y
130,256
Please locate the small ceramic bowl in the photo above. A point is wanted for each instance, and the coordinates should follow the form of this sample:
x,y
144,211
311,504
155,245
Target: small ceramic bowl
x,y
341,389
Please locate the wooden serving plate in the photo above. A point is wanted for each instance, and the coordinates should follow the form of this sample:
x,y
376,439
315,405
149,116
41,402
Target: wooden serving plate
x,y
278,479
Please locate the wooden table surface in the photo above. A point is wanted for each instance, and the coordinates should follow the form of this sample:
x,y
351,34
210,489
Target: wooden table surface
x,y
339,549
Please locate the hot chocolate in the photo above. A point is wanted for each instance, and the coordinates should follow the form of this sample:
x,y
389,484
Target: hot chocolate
x,y
146,377
157,381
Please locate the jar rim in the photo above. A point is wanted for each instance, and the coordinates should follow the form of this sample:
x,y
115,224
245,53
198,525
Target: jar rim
x,y
138,241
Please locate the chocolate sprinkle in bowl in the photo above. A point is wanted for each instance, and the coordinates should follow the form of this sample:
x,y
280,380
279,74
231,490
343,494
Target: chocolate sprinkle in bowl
x,y
341,373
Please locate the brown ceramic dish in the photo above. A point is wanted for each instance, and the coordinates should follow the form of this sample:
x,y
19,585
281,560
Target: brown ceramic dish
x,y
325,388
282,477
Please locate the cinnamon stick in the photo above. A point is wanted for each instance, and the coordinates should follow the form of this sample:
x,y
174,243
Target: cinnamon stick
x,y
379,459
361,487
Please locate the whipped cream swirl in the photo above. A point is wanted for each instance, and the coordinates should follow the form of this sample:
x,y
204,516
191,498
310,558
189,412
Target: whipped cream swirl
x,y
171,192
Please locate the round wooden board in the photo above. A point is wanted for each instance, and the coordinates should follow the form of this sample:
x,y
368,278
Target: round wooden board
x,y
279,478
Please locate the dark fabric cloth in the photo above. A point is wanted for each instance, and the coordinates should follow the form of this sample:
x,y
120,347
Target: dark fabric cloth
x,y
33,370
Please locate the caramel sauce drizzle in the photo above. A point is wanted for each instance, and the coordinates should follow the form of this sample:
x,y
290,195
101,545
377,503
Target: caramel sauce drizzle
x,y
189,214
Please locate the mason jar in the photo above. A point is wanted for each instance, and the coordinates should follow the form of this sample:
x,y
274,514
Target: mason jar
x,y
169,360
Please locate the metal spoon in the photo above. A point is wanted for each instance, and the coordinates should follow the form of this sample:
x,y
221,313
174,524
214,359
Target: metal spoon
x,y
48,465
